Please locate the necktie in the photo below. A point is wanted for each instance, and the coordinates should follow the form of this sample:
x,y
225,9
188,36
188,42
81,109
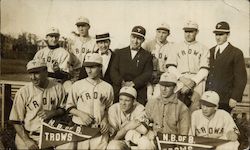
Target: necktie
x,y
217,54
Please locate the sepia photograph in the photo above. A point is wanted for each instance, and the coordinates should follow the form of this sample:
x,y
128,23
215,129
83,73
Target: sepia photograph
x,y
125,74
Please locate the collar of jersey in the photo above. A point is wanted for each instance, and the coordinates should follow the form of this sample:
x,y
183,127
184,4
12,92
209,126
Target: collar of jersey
x,y
190,43
93,82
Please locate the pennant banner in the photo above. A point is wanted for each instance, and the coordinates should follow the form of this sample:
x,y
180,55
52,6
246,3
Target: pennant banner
x,y
186,142
54,133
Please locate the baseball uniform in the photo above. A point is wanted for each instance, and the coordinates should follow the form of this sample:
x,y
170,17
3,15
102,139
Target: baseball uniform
x,y
160,52
58,56
169,116
80,48
29,100
217,127
160,55
93,99
190,59
117,120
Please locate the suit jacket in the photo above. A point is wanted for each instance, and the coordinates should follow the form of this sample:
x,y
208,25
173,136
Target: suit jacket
x,y
106,77
139,70
227,74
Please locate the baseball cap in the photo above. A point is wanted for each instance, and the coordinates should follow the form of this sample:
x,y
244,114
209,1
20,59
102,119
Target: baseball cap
x,y
92,59
128,91
82,20
53,31
36,65
163,26
190,26
210,99
221,28
168,79
139,31
102,37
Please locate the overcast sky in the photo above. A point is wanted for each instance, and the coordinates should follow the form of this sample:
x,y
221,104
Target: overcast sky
x,y
119,16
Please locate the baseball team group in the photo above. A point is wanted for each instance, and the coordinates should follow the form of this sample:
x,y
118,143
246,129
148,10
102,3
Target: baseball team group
x,y
135,92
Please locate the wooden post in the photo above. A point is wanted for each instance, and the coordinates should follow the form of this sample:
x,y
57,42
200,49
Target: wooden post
x,y
6,103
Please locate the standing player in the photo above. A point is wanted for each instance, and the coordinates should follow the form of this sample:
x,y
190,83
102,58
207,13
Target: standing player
x,y
159,48
227,75
81,44
128,122
89,100
56,57
41,99
212,122
189,62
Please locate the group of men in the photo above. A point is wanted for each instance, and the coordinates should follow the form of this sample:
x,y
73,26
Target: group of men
x,y
134,92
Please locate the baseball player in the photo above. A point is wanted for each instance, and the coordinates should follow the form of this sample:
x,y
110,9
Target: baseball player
x,y
189,62
128,122
159,48
212,122
89,100
81,44
167,113
56,57
40,99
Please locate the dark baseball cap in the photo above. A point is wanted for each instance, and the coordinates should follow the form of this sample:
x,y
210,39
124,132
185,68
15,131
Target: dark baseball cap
x,y
221,28
139,31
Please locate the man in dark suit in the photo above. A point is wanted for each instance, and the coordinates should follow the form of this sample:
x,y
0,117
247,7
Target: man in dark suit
x,y
132,66
227,74
103,43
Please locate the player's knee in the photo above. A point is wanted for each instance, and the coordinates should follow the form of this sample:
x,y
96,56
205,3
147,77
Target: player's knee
x,y
229,146
145,143
117,145
133,136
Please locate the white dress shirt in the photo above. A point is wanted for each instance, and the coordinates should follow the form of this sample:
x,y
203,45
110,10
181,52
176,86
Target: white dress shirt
x,y
105,61
221,47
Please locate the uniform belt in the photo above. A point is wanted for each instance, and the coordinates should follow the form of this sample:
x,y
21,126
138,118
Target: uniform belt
x,y
33,133
188,72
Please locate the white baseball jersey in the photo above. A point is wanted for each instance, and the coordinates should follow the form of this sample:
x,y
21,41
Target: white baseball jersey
x,y
217,127
80,49
58,56
191,61
29,100
117,118
90,98
188,58
160,52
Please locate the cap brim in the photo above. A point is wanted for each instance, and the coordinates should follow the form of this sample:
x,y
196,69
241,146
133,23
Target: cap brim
x,y
165,83
89,64
190,29
206,103
220,31
81,23
162,28
38,69
138,35
53,34
126,94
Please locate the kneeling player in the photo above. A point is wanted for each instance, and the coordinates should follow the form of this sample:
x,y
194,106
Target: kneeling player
x,y
128,120
38,100
212,122
88,102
